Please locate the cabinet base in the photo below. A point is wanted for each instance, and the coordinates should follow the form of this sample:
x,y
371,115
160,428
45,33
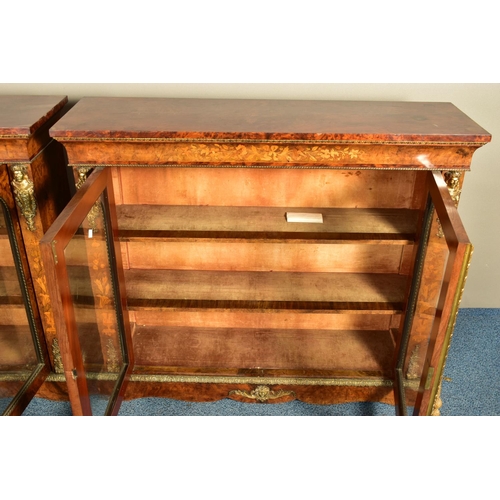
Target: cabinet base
x,y
261,391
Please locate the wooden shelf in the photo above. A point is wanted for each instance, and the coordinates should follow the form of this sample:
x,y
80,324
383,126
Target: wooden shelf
x,y
266,223
264,290
366,352
326,292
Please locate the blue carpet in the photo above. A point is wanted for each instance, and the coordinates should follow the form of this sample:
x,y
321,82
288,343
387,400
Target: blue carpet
x,y
471,386
472,376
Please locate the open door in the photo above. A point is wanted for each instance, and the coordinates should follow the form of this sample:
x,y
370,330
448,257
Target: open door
x,y
441,267
82,259
24,361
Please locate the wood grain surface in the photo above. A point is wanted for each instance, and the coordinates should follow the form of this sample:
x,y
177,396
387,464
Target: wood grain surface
x,y
104,117
22,115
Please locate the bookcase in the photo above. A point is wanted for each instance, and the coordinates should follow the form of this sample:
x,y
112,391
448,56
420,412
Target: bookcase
x,y
259,250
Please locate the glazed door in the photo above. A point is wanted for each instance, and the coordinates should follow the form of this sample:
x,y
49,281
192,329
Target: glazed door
x,y
85,276
441,265
23,357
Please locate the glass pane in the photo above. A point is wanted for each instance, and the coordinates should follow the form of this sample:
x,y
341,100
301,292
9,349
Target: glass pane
x,y
427,316
18,355
92,290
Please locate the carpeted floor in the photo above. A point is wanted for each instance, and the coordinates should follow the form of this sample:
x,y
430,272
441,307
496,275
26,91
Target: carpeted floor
x,y
471,386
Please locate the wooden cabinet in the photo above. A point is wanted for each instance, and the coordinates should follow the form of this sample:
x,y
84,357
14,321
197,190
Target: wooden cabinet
x,y
260,250
33,189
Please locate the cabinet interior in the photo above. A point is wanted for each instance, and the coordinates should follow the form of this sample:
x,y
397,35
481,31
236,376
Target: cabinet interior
x,y
218,282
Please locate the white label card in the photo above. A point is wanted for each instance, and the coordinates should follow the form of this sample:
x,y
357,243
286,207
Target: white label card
x,y
304,217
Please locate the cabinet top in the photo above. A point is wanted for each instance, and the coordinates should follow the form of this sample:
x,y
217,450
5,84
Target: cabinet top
x,y
23,115
293,120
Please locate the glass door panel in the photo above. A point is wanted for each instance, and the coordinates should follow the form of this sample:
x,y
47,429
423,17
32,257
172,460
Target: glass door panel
x,y
93,332
22,365
94,303
439,276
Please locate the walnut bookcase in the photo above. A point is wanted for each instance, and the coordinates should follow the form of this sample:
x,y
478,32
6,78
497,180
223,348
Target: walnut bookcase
x,y
174,272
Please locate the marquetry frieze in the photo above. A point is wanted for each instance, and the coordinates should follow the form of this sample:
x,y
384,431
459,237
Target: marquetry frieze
x,y
281,154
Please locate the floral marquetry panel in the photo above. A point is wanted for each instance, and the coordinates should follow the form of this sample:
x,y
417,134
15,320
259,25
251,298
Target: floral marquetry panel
x,y
271,154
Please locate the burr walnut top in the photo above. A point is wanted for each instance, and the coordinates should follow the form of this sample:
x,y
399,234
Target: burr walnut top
x,y
250,119
23,115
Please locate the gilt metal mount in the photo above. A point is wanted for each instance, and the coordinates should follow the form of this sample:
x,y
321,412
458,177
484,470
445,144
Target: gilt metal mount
x,y
24,194
452,179
262,393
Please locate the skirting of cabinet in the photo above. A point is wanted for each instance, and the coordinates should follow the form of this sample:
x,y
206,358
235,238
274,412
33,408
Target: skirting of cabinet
x,y
244,389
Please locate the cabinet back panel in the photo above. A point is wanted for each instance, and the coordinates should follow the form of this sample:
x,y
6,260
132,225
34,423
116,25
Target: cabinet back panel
x,y
6,258
13,314
259,256
267,320
10,289
16,346
265,187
